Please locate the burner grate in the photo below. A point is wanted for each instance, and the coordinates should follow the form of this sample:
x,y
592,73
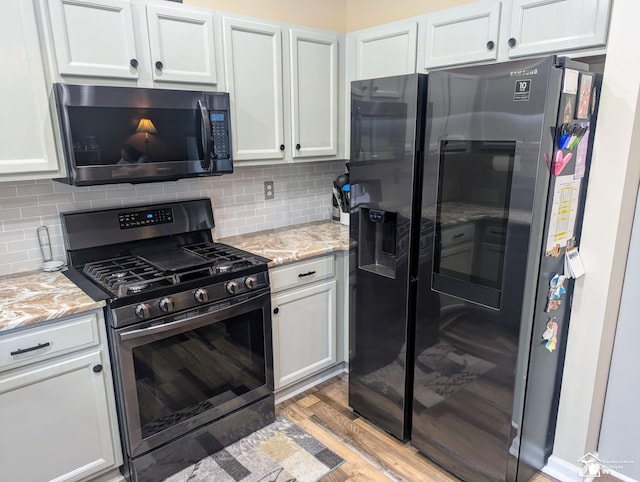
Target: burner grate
x,y
225,258
127,275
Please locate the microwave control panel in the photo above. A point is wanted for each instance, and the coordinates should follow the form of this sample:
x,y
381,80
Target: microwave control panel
x,y
220,134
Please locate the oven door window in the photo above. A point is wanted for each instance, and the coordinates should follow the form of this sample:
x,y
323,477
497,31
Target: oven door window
x,y
189,374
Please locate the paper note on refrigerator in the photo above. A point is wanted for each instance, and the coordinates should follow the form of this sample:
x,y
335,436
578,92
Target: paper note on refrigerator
x,y
573,267
563,214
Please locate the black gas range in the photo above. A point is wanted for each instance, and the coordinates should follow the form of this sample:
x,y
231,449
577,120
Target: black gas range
x,y
189,325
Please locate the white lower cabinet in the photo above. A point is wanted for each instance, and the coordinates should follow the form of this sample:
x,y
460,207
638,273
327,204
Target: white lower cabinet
x,y
57,412
304,320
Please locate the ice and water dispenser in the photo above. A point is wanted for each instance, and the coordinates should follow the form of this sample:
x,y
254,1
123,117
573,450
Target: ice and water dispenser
x,y
377,244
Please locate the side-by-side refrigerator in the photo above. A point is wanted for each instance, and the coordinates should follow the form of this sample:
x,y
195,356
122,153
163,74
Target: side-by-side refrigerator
x,y
467,191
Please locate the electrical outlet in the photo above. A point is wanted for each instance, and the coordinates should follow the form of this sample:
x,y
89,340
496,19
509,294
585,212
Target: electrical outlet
x,y
268,190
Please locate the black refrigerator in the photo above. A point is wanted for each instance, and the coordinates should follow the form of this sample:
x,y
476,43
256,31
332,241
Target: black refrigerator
x,y
467,191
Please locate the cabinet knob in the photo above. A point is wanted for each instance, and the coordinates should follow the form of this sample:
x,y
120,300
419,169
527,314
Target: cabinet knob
x,y
512,42
133,63
276,311
159,65
490,44
282,147
97,368
298,147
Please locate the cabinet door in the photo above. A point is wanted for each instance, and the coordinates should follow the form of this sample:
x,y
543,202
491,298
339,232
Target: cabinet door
x,y
253,69
94,38
458,258
304,324
26,129
462,35
314,93
542,26
55,420
386,51
182,45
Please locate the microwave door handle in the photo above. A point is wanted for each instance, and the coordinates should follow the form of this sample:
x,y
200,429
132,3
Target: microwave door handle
x,y
206,127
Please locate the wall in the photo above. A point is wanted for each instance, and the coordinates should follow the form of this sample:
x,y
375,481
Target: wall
x,y
337,15
620,422
610,205
302,194
324,14
368,13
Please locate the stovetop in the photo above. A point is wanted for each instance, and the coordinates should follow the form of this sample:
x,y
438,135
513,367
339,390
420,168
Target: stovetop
x,y
151,270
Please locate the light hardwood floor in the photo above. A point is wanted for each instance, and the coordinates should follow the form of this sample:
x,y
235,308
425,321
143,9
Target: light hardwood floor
x,y
370,454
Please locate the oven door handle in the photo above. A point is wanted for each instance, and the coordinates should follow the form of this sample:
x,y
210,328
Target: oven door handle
x,y
152,330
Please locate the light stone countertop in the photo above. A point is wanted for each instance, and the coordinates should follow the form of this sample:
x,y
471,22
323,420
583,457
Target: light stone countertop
x,y
36,296
294,243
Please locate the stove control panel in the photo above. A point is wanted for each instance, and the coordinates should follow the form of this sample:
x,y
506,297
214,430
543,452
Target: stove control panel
x,y
151,217
203,296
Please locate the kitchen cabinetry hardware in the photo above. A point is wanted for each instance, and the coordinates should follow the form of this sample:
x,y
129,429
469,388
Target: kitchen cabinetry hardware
x,y
134,63
282,147
490,44
298,147
308,273
512,42
276,311
97,368
39,346
459,235
159,65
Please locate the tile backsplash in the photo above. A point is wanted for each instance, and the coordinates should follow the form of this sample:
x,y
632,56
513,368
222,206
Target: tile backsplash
x,y
302,194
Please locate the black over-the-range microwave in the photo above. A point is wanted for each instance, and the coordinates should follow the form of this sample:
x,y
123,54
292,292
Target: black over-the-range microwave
x,y
134,135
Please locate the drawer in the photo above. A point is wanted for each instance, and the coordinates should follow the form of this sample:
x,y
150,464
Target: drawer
x,y
301,273
461,233
53,339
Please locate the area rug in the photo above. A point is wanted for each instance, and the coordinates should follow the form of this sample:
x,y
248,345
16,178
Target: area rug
x,y
280,452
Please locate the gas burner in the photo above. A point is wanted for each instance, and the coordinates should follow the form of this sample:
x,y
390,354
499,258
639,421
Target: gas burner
x,y
119,274
137,288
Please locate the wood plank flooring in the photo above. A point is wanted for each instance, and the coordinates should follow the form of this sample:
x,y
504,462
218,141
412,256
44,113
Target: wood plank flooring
x,y
370,454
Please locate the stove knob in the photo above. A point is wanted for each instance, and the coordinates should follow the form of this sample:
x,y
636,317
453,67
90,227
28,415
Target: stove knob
x,y
232,287
251,282
201,295
142,310
166,305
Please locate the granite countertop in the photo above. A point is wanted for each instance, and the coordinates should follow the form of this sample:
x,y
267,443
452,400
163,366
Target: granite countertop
x,y
36,296
294,243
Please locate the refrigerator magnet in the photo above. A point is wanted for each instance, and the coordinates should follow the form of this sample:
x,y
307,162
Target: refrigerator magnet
x,y
583,106
569,108
551,335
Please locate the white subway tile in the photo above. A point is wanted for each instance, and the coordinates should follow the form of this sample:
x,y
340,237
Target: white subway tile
x,y
32,189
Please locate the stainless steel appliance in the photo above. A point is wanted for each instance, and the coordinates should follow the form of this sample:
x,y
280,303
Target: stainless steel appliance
x,y
189,323
134,135
457,205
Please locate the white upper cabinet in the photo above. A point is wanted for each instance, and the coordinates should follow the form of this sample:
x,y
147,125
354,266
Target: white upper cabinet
x,y
253,68
283,86
462,35
94,38
546,26
146,42
26,128
314,93
182,46
386,51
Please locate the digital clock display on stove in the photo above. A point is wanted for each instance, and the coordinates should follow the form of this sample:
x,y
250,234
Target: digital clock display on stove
x,y
139,219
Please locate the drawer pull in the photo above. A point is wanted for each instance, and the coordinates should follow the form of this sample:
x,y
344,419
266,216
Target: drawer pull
x,y
459,235
309,273
39,346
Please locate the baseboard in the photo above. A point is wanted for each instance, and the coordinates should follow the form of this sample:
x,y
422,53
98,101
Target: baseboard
x,y
309,382
562,470
622,477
